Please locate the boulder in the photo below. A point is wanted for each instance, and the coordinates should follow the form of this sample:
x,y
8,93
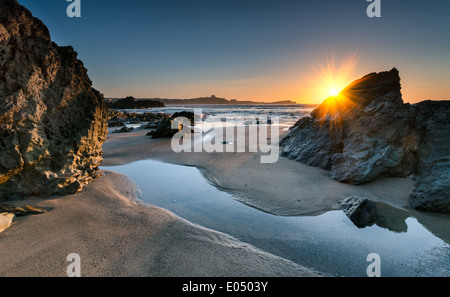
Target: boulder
x,y
52,122
164,129
361,211
124,130
367,131
116,124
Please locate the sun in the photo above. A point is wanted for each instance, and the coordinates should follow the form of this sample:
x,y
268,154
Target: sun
x,y
334,92
333,76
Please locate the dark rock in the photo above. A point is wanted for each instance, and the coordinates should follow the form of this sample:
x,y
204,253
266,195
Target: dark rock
x,y
52,122
367,131
312,145
165,127
432,190
132,103
21,210
151,125
116,124
361,211
124,130
118,118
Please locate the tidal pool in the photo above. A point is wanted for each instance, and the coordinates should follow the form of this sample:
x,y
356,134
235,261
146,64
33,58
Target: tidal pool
x,y
329,242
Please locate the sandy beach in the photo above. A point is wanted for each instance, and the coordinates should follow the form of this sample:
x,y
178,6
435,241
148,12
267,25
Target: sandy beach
x,y
117,235
362,125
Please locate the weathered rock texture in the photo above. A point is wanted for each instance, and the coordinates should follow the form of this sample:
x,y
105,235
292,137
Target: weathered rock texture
x,y
52,122
367,131
361,211
164,129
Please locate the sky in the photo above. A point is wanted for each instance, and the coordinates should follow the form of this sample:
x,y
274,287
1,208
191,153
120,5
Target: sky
x,y
260,50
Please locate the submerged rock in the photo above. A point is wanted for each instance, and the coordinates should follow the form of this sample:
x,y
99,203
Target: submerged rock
x,y
367,131
361,211
52,122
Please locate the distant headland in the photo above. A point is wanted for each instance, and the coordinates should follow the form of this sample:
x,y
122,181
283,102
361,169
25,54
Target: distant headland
x,y
131,102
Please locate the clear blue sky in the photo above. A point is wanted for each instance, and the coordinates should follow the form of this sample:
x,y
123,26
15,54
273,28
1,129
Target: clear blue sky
x,y
253,49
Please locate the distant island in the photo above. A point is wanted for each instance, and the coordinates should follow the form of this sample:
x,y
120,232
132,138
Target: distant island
x,y
132,103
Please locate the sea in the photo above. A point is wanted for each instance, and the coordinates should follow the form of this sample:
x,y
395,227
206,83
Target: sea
x,y
287,115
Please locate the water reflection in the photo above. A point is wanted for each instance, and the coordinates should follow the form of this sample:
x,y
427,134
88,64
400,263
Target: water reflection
x,y
329,242
391,218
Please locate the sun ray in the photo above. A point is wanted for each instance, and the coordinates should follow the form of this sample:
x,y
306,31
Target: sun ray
x,y
331,80
332,77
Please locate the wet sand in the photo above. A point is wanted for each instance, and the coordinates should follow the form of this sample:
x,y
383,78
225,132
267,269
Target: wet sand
x,y
285,187
115,235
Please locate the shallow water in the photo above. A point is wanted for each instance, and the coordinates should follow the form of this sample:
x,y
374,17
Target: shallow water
x,y
330,242
288,115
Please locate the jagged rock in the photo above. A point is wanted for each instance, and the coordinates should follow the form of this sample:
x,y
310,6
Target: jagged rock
x,y
52,122
367,131
432,191
21,210
361,211
164,129
354,134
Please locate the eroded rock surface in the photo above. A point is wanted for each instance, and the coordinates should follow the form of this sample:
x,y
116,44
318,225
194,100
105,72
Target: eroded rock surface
x,y
361,211
368,131
52,122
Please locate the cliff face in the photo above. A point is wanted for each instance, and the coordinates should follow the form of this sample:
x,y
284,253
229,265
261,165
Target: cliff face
x,y
52,122
367,131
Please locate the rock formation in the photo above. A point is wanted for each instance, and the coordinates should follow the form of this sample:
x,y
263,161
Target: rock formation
x,y
52,122
367,131
132,103
165,130
361,211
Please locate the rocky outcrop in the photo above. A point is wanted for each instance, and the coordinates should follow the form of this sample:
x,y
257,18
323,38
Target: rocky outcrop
x,y
52,122
119,119
367,131
432,191
21,210
124,130
132,103
165,130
